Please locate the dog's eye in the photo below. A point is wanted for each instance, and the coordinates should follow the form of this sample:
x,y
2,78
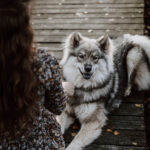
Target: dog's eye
x,y
95,57
81,56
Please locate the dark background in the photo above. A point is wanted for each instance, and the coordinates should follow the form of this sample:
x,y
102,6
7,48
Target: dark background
x,y
147,101
147,17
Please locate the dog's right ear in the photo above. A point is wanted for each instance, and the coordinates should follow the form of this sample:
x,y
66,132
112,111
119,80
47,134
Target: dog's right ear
x,y
74,40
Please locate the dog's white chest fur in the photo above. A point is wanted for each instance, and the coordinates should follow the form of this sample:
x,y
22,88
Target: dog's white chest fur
x,y
84,111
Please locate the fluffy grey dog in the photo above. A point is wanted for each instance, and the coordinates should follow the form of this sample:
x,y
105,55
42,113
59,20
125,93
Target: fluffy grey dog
x,y
103,71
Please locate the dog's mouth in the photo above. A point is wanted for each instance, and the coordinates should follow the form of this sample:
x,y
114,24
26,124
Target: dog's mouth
x,y
85,75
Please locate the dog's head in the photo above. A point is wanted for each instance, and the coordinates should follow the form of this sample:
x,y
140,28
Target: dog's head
x,y
89,57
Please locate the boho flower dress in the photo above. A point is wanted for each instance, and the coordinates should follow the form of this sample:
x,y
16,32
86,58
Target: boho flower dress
x,y
45,133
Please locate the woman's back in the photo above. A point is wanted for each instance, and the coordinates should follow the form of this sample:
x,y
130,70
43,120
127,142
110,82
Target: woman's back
x,y
44,132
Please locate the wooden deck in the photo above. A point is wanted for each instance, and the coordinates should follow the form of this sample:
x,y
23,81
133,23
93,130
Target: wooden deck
x,y
53,20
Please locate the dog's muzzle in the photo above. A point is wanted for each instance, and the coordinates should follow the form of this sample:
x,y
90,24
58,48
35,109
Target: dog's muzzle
x,y
85,75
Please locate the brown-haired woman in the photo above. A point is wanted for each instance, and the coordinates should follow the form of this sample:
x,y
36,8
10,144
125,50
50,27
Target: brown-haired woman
x,y
29,85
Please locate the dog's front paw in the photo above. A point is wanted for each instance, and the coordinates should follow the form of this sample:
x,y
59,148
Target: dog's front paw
x,y
73,147
128,91
59,120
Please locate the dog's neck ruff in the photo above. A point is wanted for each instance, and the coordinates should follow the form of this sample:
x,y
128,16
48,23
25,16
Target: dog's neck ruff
x,y
98,86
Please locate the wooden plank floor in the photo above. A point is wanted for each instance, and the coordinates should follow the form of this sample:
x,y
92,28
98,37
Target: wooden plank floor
x,y
53,20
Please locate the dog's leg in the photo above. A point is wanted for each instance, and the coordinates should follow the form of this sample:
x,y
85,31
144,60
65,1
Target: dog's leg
x,y
65,120
88,133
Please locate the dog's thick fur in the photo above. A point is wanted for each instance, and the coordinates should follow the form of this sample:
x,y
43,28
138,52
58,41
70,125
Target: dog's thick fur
x,y
102,71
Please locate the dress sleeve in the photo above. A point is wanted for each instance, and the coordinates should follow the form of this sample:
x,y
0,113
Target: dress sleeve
x,y
55,98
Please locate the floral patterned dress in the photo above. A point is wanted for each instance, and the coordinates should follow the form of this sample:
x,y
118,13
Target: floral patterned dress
x,y
44,133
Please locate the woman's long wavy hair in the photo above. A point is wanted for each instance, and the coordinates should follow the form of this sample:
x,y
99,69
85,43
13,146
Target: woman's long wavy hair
x,y
17,80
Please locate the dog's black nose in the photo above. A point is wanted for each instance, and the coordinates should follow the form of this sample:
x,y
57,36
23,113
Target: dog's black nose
x,y
88,67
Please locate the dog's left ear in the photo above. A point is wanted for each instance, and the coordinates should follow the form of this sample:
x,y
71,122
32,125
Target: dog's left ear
x,y
104,42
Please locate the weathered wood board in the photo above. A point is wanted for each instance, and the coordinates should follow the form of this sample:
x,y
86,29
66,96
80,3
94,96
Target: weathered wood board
x,y
53,20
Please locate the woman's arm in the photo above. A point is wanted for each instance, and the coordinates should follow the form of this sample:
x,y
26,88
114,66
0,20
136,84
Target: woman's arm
x,y
55,98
